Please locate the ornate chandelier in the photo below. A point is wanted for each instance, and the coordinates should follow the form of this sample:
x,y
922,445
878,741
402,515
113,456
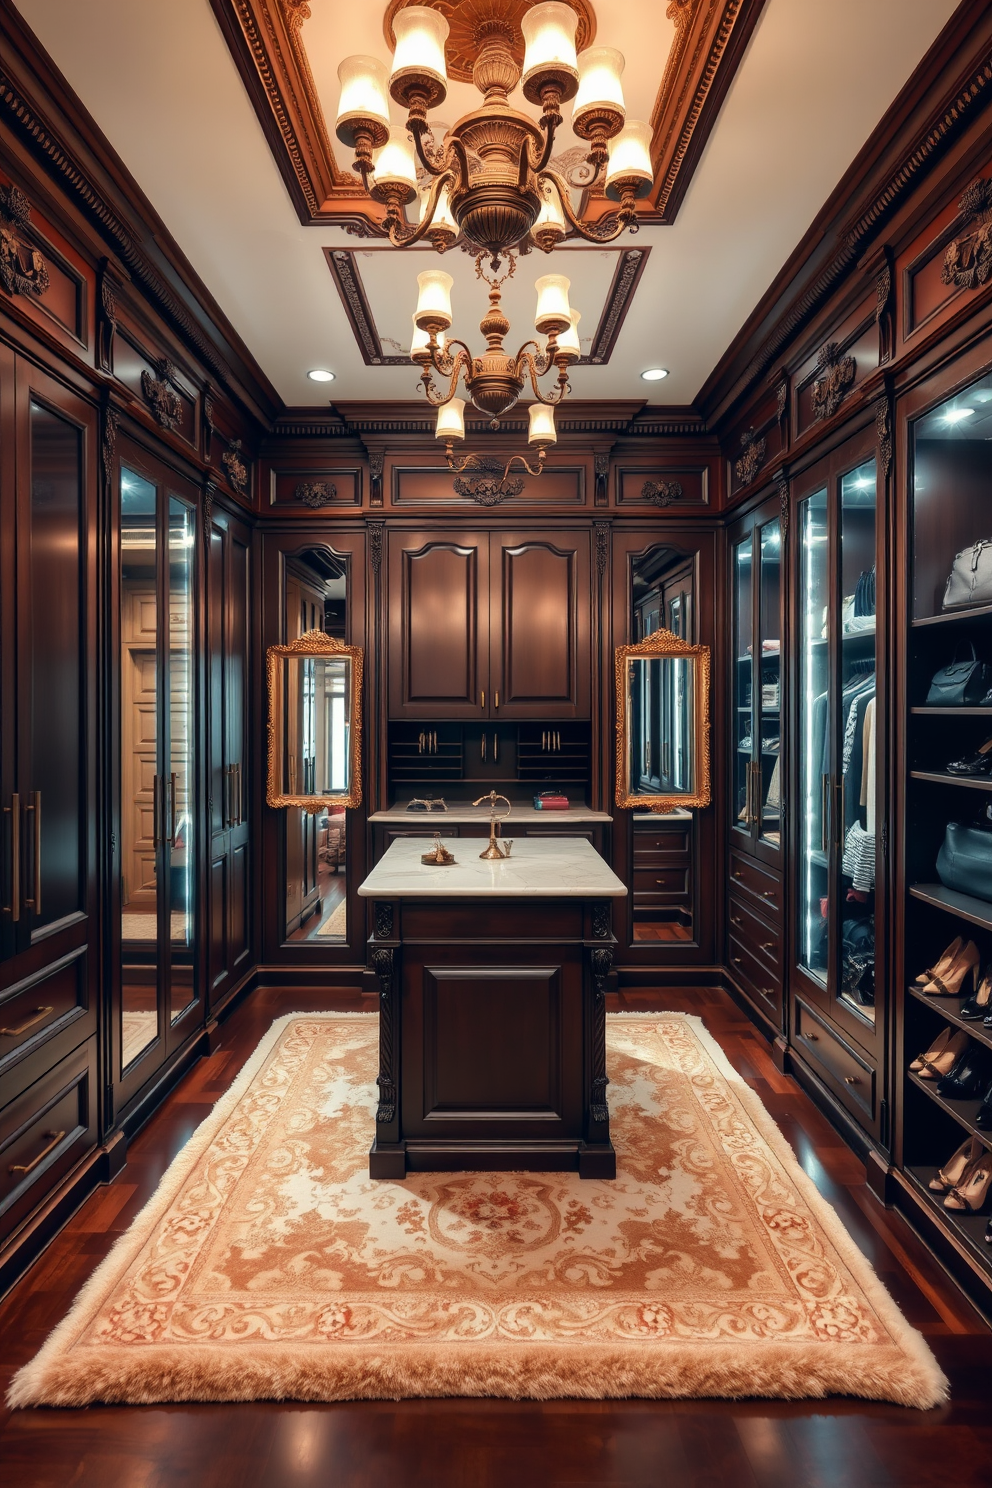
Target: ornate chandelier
x,y
495,380
490,178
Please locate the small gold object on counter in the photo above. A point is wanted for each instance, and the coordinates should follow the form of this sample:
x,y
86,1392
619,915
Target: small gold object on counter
x,y
494,851
439,855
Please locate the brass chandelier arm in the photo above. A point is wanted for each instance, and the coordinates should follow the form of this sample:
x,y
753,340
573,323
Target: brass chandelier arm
x,y
471,462
527,163
438,397
626,212
401,236
527,363
454,160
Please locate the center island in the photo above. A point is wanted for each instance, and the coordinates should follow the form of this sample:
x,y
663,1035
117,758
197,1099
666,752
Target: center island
x,y
492,1000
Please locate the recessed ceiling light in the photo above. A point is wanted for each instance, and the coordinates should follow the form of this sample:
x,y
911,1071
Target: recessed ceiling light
x,y
654,374
320,374
955,415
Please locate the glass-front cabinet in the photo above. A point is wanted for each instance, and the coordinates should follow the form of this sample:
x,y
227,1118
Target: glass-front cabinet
x,y
838,796
756,801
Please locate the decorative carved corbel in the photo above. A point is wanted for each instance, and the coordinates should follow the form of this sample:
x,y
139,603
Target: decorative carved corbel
x,y
968,257
209,494
316,493
601,920
751,457
602,547
601,466
661,493
491,488
237,470
383,921
382,964
106,321
601,961
23,269
885,310
782,486
209,427
375,546
830,390
161,398
108,445
377,460
883,431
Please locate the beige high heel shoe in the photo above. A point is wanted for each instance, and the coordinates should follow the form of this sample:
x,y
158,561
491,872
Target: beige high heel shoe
x,y
941,1055
971,1191
950,980
956,1166
942,964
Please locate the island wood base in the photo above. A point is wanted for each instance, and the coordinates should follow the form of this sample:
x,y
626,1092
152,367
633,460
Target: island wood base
x,y
492,1036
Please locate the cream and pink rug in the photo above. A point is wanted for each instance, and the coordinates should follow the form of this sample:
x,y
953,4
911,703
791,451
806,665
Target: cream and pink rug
x,y
269,1265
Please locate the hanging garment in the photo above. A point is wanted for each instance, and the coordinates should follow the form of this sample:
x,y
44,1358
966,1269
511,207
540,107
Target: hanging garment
x,y
868,773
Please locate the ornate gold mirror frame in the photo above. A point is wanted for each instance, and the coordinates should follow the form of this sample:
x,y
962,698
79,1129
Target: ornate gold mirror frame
x,y
314,643
664,643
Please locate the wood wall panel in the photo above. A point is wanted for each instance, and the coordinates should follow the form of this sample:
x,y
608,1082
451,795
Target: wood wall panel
x,y
426,486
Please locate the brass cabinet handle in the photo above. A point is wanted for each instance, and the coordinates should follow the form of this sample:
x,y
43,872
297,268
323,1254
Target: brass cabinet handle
x,y
14,907
736,920
768,945
29,1167
495,748
483,704
768,893
35,901
241,795
851,1080
736,873
40,1014
736,960
483,747
544,741
813,1037
496,701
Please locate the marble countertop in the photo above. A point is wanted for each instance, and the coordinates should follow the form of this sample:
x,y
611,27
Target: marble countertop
x,y
539,867
459,814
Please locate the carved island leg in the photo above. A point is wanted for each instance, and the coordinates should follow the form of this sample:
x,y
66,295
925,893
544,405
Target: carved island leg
x,y
387,1158
598,1160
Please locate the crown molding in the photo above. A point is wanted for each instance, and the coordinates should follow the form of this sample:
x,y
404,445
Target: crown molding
x,y
267,41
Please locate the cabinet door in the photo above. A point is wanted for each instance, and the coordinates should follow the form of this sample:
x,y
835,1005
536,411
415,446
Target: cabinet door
x,y
227,659
438,625
539,611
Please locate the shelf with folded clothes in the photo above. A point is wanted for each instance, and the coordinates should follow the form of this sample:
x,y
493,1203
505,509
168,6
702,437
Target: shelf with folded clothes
x,y
965,906
963,1111
949,1008
971,1228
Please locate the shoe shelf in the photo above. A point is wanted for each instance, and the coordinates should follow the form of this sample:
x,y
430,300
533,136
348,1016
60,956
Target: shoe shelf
x,y
965,906
969,1229
949,1008
935,712
941,777
963,1111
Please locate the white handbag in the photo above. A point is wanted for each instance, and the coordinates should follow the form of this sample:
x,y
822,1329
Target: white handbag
x,y
970,579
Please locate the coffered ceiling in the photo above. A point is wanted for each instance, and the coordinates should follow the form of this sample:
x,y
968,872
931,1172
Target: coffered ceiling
x,y
757,111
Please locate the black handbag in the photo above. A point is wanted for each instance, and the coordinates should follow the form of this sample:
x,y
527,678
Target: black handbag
x,y
962,683
964,861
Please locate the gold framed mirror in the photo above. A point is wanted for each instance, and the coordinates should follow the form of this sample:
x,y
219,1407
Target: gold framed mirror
x,y
663,724
315,723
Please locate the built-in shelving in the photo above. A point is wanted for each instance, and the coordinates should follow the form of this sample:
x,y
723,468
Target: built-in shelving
x,y
970,1228
949,1008
975,911
949,616
963,1111
941,777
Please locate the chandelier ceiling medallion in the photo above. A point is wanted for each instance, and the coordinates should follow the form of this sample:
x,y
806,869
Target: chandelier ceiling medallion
x,y
490,181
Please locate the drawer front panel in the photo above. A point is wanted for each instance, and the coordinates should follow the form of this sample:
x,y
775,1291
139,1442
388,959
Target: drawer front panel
x,y
44,1133
850,1078
750,878
660,881
761,939
648,843
761,984
35,1011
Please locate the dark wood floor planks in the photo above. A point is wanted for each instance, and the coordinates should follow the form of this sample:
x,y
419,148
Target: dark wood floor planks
x,y
837,1443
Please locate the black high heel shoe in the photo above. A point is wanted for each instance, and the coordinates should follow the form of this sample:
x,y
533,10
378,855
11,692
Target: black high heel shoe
x,y
984,1116
970,1077
977,764
979,1004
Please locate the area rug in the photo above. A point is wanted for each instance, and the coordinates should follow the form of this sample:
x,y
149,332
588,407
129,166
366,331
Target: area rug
x,y
269,1266
336,922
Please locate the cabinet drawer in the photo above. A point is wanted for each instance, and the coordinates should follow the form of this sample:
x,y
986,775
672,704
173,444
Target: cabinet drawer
x,y
850,1078
752,879
758,937
44,1133
673,840
39,1009
761,984
661,881
391,833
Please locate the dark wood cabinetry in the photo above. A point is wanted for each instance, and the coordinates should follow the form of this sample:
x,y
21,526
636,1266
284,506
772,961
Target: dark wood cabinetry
x,y
489,625
228,785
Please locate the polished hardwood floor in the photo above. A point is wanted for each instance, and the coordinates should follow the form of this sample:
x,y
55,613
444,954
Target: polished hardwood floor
x,y
837,1443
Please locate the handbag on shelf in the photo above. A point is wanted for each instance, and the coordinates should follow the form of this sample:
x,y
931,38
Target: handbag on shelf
x,y
970,579
964,862
961,683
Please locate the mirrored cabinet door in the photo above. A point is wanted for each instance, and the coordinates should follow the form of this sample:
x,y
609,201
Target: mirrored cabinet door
x,y
743,685
756,673
768,696
179,835
815,730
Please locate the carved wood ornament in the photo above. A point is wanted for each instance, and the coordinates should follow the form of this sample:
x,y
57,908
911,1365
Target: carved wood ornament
x,y
316,493
164,402
968,259
751,457
830,390
237,470
23,269
661,493
491,488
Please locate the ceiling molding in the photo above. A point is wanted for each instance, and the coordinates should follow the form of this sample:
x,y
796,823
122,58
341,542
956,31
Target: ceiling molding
x,y
267,40
574,417
342,262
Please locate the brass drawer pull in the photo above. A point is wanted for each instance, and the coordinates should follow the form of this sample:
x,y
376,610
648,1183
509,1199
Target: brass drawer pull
x,y
736,920
851,1080
40,1014
813,1037
736,960
29,1167
737,873
768,945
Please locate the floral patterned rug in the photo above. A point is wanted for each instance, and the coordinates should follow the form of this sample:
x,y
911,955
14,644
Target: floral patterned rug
x,y
269,1265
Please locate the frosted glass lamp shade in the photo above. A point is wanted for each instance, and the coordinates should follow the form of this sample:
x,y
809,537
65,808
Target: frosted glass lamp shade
x,y
549,228
568,341
395,167
418,61
364,102
542,424
630,160
443,219
451,420
600,92
549,34
433,311
419,349
553,311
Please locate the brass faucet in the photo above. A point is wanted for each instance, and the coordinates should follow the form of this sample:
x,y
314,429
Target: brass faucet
x,y
494,851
